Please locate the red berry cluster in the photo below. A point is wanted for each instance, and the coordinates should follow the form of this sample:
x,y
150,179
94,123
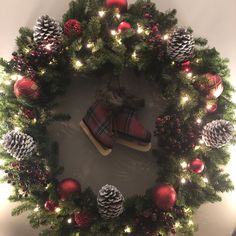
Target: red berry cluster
x,y
21,64
150,220
174,136
29,175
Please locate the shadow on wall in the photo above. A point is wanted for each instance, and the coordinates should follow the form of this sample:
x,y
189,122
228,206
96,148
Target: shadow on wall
x,y
234,233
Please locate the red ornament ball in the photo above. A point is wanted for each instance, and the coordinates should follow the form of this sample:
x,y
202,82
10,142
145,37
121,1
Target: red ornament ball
x,y
122,5
68,188
50,205
123,26
164,196
26,88
197,166
211,107
215,86
72,27
83,219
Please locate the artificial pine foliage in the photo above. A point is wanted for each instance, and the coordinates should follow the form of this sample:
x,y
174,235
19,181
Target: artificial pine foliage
x,y
180,45
18,144
99,49
110,202
47,33
217,133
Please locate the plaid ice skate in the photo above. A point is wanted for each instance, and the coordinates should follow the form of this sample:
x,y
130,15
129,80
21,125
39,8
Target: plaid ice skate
x,y
99,123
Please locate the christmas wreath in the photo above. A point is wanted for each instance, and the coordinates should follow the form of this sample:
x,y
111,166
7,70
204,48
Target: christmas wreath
x,y
100,37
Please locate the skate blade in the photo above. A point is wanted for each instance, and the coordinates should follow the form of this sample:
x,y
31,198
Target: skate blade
x,y
103,151
139,146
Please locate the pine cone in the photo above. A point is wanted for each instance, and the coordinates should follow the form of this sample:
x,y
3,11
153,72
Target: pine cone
x,y
47,33
217,133
180,45
18,145
110,202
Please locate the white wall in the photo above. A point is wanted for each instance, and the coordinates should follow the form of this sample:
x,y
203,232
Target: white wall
x,y
214,19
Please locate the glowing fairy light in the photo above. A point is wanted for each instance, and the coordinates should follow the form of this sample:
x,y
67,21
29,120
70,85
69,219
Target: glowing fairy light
x,y
166,37
17,129
199,121
184,164
77,64
140,29
128,229
15,77
42,71
58,209
190,222
172,63
69,221
189,75
113,33
102,13
197,148
134,55
118,16
185,99
36,209
183,181
205,180
201,141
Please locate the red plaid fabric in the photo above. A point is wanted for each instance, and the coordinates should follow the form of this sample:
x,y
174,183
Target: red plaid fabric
x,y
126,124
98,120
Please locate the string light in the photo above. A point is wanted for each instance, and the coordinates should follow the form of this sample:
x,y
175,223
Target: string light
x,y
69,221
197,148
128,229
42,71
58,209
16,77
7,82
184,164
183,181
119,41
34,121
201,141
190,222
113,33
177,225
77,64
140,29
172,63
101,13
199,121
26,50
166,37
90,45
205,180
118,15
185,99
36,209
17,129
190,75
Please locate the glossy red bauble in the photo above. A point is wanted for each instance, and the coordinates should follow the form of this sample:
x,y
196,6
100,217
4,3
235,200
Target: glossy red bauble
x,y
215,86
123,26
197,166
72,27
50,205
26,88
68,188
164,196
120,4
83,219
211,107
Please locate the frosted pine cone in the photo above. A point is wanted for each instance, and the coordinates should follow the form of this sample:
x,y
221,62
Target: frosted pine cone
x,y
217,133
110,202
180,45
18,144
47,33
